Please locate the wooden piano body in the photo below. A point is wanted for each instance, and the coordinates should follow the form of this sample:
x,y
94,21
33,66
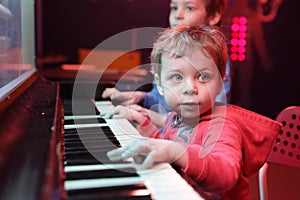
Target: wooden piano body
x,y
30,132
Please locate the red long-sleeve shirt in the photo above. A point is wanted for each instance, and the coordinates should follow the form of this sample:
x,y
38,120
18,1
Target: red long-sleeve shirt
x,y
229,144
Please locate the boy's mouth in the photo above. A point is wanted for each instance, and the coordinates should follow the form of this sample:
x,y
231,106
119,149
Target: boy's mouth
x,y
190,104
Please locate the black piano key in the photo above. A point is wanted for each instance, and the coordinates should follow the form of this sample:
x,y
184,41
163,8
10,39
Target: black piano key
x,y
85,121
83,130
105,173
91,143
99,153
85,154
85,157
125,192
89,129
88,138
84,133
82,111
84,151
71,150
87,135
104,132
90,161
82,148
83,107
85,161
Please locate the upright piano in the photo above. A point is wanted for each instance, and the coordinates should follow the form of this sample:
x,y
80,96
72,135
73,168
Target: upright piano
x,y
48,152
53,138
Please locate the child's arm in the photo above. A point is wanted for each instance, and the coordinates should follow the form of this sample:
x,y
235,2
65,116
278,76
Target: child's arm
x,y
216,163
149,151
140,117
129,113
125,97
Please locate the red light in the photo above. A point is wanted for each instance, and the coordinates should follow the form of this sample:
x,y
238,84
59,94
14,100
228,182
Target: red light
x,y
241,57
234,42
243,28
234,49
242,42
242,35
243,20
241,49
234,34
235,20
235,27
238,38
233,56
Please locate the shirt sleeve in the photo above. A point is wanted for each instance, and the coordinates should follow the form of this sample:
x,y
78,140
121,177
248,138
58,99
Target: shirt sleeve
x,y
216,163
148,129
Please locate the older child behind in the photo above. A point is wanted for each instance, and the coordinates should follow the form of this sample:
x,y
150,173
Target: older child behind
x,y
218,145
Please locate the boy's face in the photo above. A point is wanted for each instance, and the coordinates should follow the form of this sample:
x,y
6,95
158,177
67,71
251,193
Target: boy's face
x,y
187,12
189,84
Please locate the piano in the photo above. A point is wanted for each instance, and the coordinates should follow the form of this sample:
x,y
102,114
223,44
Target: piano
x,y
54,141
43,156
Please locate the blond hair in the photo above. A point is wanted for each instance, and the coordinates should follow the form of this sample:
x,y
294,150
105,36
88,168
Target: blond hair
x,y
180,40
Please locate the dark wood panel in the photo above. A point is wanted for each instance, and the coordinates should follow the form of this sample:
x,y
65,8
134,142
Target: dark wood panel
x,y
27,129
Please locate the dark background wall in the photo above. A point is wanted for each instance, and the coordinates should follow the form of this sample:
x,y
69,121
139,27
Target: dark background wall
x,y
281,87
66,25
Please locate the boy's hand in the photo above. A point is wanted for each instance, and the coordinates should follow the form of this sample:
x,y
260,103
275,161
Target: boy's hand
x,y
132,113
124,97
149,151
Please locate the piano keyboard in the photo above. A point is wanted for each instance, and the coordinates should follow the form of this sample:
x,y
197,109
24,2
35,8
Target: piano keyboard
x,y
90,175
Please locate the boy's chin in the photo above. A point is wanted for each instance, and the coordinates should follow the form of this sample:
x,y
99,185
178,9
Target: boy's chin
x,y
190,116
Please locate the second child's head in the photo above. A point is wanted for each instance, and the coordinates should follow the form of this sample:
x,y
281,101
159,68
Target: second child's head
x,y
189,64
196,12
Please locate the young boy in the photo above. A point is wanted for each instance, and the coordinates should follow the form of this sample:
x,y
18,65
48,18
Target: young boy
x,y
218,145
182,12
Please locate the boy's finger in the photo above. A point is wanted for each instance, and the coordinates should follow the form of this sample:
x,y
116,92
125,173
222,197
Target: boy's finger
x,y
115,155
149,161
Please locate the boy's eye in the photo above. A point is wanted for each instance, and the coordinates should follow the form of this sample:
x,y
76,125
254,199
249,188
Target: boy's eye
x,y
173,7
177,77
190,8
204,77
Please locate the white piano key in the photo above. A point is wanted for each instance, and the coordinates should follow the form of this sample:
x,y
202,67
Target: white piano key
x,y
70,126
165,183
122,128
81,168
101,182
104,106
68,117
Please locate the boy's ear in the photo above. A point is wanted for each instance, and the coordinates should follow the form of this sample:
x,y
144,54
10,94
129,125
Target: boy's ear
x,y
158,84
215,19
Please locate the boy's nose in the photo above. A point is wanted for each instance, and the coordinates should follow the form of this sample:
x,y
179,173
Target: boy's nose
x,y
190,88
179,14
